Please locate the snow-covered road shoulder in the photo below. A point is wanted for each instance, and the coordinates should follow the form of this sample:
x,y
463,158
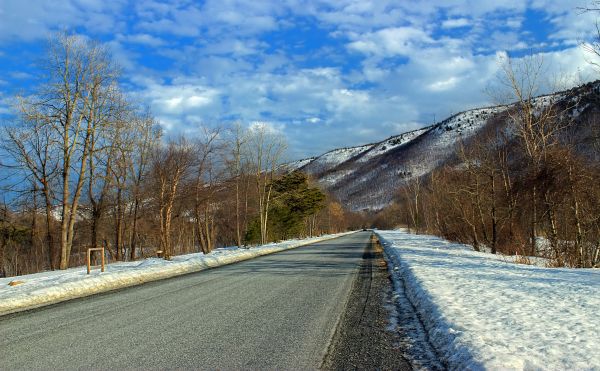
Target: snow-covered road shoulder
x,y
482,312
46,288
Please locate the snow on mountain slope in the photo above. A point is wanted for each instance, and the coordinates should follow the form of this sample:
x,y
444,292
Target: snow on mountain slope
x,y
366,177
390,143
334,158
348,172
462,125
295,165
419,153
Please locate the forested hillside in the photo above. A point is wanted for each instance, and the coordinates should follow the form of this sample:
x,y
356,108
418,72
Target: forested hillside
x,y
515,178
363,176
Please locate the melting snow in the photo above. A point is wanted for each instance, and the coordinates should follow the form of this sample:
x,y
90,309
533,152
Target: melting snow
x,y
482,312
55,286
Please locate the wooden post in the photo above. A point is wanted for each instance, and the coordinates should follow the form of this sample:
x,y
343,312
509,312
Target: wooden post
x,y
89,254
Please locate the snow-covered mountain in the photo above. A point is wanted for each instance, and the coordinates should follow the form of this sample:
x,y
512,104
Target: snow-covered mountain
x,y
366,177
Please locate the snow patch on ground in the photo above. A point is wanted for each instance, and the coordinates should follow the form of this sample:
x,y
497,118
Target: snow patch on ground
x,y
483,312
404,319
46,288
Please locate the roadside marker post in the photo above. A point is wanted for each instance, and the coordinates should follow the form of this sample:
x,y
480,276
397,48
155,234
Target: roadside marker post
x,y
89,254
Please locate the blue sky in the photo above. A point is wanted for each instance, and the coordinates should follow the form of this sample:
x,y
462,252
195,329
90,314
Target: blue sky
x,y
324,73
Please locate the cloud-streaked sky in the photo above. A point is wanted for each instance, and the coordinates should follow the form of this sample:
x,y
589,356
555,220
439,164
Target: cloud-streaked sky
x,y
326,73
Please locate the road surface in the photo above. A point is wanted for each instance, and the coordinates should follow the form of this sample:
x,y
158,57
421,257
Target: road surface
x,y
277,311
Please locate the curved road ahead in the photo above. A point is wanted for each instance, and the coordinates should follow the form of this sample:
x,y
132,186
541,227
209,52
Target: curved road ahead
x,y
277,311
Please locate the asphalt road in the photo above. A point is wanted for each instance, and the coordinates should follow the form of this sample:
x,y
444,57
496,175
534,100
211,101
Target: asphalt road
x,y
274,312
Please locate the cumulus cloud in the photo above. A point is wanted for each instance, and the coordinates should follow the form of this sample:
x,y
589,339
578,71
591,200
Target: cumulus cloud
x,y
5,105
266,127
142,38
31,20
180,104
361,70
391,41
456,23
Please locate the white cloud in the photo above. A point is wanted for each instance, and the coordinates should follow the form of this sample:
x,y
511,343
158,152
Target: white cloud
x,y
456,23
142,38
20,75
377,68
515,22
233,46
181,98
266,126
570,67
213,17
32,20
443,85
5,104
574,26
179,104
391,41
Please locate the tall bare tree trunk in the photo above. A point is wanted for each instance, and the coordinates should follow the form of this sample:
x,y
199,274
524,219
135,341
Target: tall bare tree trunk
x,y
575,208
494,216
118,225
134,229
534,222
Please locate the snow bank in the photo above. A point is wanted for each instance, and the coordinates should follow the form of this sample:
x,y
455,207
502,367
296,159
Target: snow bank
x,y
46,288
483,312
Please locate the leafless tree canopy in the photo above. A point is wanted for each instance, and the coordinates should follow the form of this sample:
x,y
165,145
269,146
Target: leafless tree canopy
x,y
86,167
526,184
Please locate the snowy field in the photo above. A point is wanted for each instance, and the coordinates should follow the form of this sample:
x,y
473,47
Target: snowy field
x,y
45,288
481,311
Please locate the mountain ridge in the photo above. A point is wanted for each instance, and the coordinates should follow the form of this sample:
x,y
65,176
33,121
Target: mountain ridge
x,y
364,177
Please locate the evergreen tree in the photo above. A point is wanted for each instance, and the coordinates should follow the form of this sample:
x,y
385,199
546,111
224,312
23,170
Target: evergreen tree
x,y
293,202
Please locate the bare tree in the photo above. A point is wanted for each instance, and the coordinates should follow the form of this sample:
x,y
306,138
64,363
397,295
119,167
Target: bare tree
x,y
265,151
31,145
412,191
593,46
205,187
125,134
171,164
537,121
73,107
105,145
144,144
237,170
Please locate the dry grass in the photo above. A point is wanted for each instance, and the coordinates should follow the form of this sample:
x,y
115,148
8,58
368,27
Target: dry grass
x,y
522,259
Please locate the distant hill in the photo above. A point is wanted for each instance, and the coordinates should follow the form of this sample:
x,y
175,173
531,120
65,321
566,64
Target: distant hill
x,y
366,177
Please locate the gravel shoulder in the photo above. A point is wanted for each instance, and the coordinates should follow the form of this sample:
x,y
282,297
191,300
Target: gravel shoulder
x,y
366,337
